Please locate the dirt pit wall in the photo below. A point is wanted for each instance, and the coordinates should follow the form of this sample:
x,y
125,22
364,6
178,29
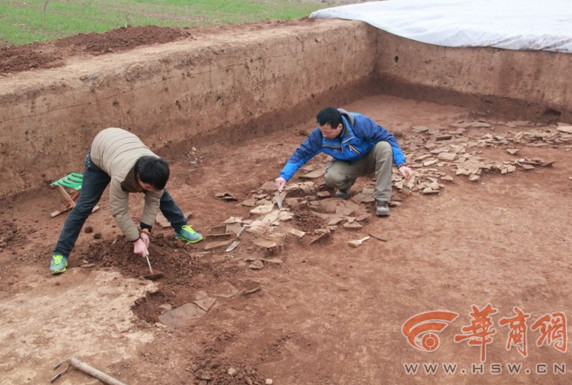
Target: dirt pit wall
x,y
176,92
239,84
531,84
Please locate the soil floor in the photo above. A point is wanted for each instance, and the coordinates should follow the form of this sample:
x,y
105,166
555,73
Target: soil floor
x,y
329,313
312,313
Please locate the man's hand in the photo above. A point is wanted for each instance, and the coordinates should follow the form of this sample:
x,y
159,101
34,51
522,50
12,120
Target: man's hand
x,y
145,237
406,172
140,248
280,183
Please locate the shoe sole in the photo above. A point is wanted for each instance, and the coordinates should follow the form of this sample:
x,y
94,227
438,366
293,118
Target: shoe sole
x,y
57,272
190,242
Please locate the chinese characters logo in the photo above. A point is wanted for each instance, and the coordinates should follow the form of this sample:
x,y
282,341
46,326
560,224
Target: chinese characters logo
x,y
423,329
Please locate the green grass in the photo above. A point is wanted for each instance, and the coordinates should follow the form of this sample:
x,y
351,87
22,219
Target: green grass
x,y
23,22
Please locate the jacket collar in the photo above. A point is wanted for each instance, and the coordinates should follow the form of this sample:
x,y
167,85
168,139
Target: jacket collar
x,y
130,183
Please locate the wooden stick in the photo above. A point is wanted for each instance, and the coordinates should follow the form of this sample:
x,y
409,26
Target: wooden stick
x,y
87,369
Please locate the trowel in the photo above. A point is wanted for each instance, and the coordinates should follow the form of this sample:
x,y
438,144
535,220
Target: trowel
x,y
279,199
152,276
357,242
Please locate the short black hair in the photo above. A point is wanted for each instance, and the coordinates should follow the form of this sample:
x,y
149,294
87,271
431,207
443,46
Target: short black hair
x,y
153,170
329,115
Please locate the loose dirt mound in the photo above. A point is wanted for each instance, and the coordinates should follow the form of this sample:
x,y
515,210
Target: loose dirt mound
x,y
50,55
54,54
121,39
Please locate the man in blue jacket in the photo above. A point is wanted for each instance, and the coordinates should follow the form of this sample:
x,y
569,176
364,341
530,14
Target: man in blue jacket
x,y
359,147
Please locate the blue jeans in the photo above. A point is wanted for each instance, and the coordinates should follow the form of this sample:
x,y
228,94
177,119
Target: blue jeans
x,y
95,180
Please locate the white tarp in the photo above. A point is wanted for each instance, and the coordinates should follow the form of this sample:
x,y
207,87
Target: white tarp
x,y
511,24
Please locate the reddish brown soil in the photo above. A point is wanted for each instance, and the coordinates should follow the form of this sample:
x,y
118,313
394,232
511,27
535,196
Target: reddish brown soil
x,y
330,314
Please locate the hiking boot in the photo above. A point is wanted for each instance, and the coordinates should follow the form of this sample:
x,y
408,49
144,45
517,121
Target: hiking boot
x,y
188,235
342,194
59,264
381,209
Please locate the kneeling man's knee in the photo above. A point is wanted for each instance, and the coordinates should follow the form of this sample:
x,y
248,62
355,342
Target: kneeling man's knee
x,y
383,147
334,178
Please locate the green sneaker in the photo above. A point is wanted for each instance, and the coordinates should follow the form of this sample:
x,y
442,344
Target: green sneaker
x,y
188,235
59,264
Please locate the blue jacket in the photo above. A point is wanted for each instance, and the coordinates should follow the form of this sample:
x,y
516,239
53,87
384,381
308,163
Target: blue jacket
x,y
358,137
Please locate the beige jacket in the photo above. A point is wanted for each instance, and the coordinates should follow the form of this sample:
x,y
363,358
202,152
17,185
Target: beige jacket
x,y
115,151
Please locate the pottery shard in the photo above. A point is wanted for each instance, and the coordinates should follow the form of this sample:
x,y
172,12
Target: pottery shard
x,y
292,202
429,191
269,186
365,198
420,128
352,226
205,303
305,187
225,196
565,129
297,233
264,209
182,315
258,227
271,218
224,290
285,215
275,261
256,265
367,190
346,209
328,205
216,245
249,202
218,236
335,221
469,167
433,186
363,218
473,177
447,156
265,244
320,235
324,194
512,151
480,124
233,228
430,162
231,220
548,164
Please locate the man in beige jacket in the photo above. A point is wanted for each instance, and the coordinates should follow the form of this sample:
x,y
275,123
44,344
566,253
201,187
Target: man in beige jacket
x,y
119,159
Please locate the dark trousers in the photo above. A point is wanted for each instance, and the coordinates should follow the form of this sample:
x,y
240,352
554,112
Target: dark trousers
x,y
95,180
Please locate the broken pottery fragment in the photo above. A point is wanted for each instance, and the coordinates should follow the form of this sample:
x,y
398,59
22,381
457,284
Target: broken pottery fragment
x,y
264,209
256,265
215,245
297,233
226,196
